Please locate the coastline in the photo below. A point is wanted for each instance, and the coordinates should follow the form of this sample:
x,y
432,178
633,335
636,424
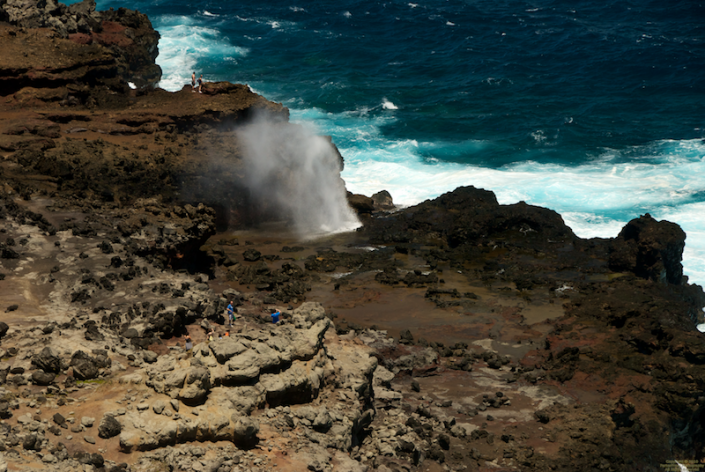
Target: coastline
x,y
454,333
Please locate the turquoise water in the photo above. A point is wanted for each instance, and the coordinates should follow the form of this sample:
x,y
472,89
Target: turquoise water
x,y
593,109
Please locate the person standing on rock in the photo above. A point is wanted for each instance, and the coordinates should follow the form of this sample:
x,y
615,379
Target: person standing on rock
x,y
200,83
189,343
231,313
193,81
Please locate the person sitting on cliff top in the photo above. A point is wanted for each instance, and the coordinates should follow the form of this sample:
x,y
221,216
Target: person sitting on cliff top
x,y
193,81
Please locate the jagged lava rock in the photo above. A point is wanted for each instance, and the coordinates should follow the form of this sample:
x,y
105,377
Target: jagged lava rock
x,y
650,249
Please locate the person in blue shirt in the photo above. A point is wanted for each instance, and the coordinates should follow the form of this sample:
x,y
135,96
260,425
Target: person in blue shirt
x,y
231,313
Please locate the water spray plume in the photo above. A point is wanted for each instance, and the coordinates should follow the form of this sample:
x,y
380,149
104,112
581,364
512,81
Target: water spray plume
x,y
296,174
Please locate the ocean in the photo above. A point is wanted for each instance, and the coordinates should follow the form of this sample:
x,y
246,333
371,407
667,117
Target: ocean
x,y
591,108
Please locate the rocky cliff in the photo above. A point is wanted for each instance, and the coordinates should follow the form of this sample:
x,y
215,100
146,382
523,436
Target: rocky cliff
x,y
82,47
458,334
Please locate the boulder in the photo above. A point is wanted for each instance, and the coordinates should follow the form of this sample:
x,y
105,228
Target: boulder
x,y
245,431
251,255
85,367
109,427
40,377
361,203
48,360
224,349
383,201
649,249
196,388
323,421
311,312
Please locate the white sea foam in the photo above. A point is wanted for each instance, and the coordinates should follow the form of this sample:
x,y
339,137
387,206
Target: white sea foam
x,y
183,44
347,14
207,13
387,105
665,178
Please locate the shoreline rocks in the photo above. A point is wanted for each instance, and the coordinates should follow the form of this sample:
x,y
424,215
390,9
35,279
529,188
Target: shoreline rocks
x,y
458,331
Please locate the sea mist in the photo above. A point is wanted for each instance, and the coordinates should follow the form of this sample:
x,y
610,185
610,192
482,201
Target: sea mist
x,y
295,174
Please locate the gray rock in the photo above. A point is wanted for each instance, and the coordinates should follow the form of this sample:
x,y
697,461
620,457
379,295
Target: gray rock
x,y
311,312
196,387
158,407
225,349
40,377
48,360
323,421
87,421
245,431
84,8
149,357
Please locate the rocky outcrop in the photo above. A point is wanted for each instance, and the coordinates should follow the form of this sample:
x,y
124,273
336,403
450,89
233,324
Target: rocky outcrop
x,y
122,43
467,214
277,367
650,249
499,316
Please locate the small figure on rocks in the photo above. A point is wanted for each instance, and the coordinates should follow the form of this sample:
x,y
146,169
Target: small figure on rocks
x,y
210,336
189,343
230,311
193,81
200,83
227,334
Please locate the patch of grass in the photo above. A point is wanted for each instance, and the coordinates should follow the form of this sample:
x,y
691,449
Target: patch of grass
x,y
615,275
92,382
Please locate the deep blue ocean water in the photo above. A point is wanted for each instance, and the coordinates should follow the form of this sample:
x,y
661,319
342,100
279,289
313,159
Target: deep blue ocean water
x,y
591,108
